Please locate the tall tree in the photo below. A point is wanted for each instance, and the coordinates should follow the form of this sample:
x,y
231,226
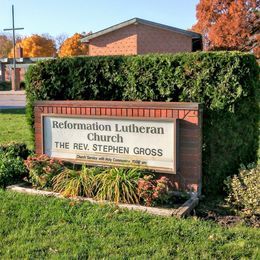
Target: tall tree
x,y
37,46
73,46
59,40
229,24
5,45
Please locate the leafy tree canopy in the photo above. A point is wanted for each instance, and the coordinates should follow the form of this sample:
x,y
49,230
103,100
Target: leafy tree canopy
x,y
37,46
229,24
73,46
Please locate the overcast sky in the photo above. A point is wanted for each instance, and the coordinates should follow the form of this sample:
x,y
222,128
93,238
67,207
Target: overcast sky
x,y
65,16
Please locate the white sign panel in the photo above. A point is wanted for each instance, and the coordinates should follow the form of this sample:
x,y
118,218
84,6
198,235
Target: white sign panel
x,y
111,141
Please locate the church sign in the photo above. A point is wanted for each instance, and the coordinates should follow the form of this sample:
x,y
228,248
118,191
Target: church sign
x,y
112,141
163,137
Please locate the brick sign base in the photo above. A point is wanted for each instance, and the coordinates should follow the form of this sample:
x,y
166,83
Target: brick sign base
x,y
188,174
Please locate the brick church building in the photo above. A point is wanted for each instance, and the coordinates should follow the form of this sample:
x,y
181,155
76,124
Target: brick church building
x,y
132,37
139,36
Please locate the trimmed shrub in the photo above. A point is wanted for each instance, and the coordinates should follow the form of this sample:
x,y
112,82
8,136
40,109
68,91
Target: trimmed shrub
x,y
12,169
5,86
243,191
224,82
15,149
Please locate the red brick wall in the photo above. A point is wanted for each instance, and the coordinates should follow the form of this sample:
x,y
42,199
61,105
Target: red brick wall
x,y
139,39
155,40
7,76
120,42
22,73
190,133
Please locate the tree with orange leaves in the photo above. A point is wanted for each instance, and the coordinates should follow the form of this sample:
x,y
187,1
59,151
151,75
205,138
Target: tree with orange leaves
x,y
229,24
73,46
5,45
37,46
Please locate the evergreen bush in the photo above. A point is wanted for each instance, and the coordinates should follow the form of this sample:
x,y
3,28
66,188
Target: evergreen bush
x,y
224,82
243,191
15,149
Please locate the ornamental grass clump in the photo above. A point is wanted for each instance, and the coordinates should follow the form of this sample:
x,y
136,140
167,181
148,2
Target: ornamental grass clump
x,y
118,185
42,169
72,183
154,191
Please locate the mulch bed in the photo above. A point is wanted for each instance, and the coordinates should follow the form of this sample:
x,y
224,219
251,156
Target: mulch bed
x,y
216,210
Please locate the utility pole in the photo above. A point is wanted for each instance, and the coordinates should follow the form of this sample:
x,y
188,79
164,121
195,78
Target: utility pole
x,y
14,43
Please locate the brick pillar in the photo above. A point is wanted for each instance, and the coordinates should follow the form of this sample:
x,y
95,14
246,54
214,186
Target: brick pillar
x,y
16,85
19,52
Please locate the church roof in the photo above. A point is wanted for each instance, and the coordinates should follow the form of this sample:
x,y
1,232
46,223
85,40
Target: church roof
x,y
191,34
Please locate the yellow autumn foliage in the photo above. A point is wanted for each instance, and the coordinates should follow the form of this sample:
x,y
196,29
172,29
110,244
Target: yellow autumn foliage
x,y
73,46
36,46
5,46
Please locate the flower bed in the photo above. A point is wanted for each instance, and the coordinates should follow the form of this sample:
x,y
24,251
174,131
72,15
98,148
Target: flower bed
x,y
131,188
118,185
180,210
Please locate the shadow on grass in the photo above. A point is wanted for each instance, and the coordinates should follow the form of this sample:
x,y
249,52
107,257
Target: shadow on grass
x,y
16,111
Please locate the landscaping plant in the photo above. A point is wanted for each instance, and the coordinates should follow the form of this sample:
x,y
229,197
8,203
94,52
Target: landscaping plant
x,y
225,83
5,86
12,169
154,191
42,169
244,191
71,183
15,149
118,185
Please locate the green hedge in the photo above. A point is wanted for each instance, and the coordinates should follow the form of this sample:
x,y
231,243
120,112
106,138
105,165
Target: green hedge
x,y
5,86
224,82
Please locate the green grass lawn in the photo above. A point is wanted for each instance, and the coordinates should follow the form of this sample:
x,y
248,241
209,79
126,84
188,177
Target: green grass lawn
x,y
41,227
36,227
13,127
